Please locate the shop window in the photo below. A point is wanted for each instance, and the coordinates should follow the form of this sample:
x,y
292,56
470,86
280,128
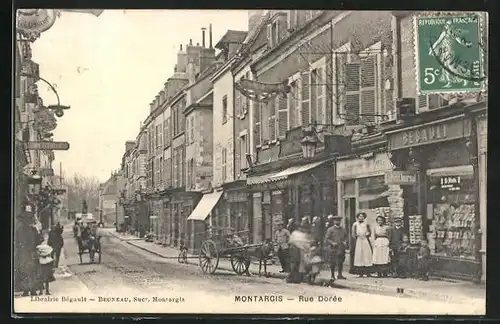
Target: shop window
x,y
450,208
350,188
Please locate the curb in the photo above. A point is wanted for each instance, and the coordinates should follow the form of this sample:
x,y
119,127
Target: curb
x,y
352,286
123,239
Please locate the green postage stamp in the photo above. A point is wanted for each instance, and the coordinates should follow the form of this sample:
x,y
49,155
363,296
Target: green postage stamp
x,y
449,53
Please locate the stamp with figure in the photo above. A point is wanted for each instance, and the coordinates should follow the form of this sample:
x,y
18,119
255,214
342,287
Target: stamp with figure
x,y
449,53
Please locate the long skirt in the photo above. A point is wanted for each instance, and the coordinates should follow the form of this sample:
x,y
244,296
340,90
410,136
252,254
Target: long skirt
x,y
381,254
363,257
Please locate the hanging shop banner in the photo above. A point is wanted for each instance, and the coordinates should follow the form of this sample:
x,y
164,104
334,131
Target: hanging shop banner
x,y
48,145
360,168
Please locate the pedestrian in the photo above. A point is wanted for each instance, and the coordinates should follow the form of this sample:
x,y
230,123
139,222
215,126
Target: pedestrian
x,y
423,260
363,255
45,267
381,249
317,230
336,244
26,241
56,242
291,226
305,247
396,238
281,238
299,242
402,265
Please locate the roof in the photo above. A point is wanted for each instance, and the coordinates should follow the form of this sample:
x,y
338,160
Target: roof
x,y
232,36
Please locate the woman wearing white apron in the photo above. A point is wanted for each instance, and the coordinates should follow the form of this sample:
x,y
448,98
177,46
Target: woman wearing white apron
x,y
363,255
381,250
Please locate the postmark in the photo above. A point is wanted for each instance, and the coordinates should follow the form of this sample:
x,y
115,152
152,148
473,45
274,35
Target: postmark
x,y
449,53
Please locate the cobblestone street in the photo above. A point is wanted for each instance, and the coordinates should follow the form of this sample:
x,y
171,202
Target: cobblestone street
x,y
128,274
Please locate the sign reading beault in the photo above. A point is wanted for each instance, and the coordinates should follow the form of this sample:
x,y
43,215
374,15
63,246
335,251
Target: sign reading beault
x,y
48,145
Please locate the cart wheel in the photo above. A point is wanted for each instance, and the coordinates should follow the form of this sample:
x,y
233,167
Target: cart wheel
x,y
240,264
209,257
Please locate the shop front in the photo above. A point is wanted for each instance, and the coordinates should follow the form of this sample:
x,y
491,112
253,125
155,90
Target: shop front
x,y
361,187
182,204
156,216
238,208
444,205
201,218
305,190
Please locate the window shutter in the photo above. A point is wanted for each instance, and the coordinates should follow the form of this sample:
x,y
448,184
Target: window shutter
x,y
291,105
188,127
237,158
269,35
314,95
422,102
305,98
282,105
321,97
237,103
256,117
352,96
368,86
272,119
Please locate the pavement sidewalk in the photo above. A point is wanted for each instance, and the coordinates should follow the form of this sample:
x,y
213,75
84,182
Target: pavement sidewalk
x,y
451,291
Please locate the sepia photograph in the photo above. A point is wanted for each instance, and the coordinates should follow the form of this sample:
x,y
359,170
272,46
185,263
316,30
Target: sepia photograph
x,y
284,162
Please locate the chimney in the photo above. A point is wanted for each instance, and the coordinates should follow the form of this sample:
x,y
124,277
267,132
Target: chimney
x,y
197,44
210,35
157,100
180,50
129,145
203,36
151,107
181,61
190,42
254,17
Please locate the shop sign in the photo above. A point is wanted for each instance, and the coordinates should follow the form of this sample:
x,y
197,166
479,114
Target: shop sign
x,y
451,183
429,134
35,21
400,178
48,145
360,168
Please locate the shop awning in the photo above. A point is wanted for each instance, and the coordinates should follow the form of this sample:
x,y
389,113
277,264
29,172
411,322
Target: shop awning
x,y
462,170
282,175
205,206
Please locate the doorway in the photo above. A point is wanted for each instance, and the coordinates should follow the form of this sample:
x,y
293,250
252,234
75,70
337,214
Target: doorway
x,y
350,217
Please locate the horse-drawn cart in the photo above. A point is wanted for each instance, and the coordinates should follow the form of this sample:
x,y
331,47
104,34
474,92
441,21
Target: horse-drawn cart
x,y
92,245
228,244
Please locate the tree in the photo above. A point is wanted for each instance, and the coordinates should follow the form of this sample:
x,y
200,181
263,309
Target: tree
x,y
81,188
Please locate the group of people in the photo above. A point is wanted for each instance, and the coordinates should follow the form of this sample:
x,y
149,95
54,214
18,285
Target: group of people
x,y
390,250
36,258
382,250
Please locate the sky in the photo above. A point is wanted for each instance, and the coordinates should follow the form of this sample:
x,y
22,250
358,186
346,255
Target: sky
x,y
108,69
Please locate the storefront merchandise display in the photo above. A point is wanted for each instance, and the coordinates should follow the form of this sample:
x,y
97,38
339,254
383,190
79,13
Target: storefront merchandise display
x,y
453,230
415,229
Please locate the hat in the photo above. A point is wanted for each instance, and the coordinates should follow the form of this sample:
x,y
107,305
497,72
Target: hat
x,y
337,217
398,219
380,216
361,214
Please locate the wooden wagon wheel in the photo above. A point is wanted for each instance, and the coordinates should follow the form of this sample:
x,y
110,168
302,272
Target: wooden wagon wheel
x,y
209,257
240,264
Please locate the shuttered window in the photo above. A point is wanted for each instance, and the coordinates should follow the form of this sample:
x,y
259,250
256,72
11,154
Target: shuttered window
x,y
244,149
318,98
282,107
237,158
238,103
368,88
294,105
168,172
305,98
223,164
188,127
271,106
352,97
257,123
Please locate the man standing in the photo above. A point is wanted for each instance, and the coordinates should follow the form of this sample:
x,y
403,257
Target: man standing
x,y
336,243
56,242
396,239
281,237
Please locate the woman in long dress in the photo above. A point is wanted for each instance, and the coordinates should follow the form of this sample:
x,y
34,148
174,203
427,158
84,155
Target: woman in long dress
x,y
381,249
363,256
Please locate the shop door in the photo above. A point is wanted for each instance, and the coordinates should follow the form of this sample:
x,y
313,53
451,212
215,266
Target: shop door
x,y
350,218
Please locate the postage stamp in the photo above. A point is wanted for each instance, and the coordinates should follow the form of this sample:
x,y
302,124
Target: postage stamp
x,y
449,53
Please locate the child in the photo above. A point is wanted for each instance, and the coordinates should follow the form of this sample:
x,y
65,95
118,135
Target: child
x,y
315,262
402,262
423,261
46,266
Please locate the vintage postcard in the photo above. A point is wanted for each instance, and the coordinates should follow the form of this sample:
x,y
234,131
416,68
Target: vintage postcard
x,y
284,162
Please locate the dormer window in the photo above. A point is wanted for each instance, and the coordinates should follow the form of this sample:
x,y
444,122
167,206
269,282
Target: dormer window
x,y
277,29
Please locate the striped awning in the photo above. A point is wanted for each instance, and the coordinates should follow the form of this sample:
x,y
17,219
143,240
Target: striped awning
x,y
283,175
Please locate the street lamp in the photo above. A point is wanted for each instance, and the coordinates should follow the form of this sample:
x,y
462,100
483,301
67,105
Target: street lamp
x,y
309,143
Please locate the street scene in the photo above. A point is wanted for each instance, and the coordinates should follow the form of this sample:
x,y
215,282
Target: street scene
x,y
292,162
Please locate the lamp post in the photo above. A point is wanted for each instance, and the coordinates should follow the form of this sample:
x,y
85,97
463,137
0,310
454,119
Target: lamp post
x,y
309,143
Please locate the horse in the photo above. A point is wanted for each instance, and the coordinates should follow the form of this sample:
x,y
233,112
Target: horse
x,y
92,244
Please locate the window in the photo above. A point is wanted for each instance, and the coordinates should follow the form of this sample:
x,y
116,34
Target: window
x,y
271,106
431,101
293,19
224,109
238,103
168,172
157,137
360,105
188,127
192,128
224,164
305,99
166,132
318,97
294,105
244,150
246,100
257,110
161,166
